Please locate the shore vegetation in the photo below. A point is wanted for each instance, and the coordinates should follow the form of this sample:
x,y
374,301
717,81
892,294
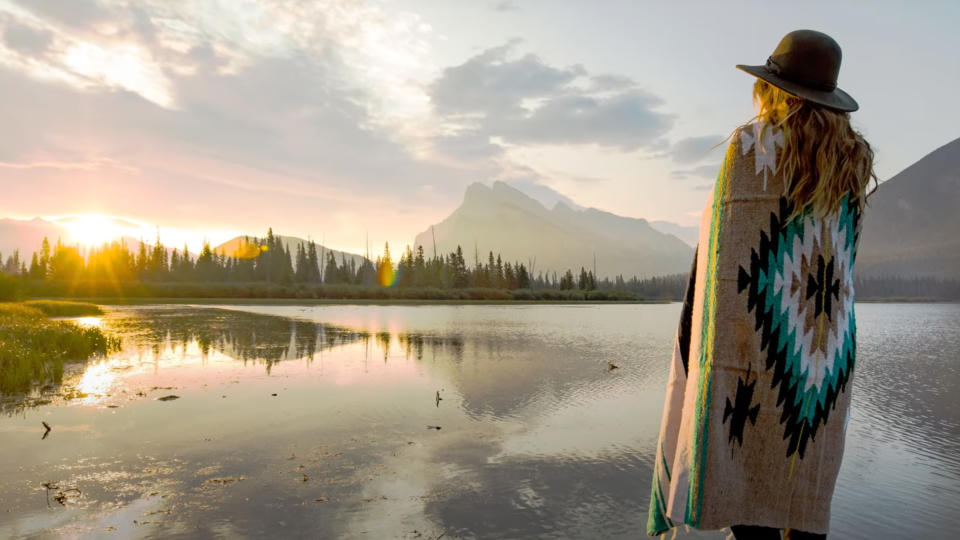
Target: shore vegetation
x,y
34,348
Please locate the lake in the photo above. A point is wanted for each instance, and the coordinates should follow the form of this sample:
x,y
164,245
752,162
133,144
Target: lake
x,y
323,422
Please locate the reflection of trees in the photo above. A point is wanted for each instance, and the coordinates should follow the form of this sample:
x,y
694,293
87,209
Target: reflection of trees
x,y
260,338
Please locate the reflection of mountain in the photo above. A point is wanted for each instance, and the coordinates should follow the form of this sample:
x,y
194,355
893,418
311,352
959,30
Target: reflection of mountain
x,y
504,220
912,223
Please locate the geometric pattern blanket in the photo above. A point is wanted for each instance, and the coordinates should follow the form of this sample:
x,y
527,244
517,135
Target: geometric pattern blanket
x,y
759,388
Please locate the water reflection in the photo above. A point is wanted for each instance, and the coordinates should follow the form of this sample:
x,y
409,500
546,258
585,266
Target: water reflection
x,y
258,338
312,422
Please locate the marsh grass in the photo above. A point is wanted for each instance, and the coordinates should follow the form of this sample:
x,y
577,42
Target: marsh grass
x,y
34,349
64,308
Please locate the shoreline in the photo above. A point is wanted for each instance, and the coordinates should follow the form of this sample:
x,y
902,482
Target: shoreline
x,y
134,301
120,301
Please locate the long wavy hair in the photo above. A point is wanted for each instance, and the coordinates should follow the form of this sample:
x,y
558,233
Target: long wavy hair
x,y
823,158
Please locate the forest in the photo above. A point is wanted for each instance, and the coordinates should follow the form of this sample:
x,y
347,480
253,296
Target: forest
x,y
266,268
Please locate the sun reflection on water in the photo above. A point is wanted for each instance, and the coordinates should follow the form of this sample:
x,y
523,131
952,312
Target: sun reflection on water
x,y
92,322
96,382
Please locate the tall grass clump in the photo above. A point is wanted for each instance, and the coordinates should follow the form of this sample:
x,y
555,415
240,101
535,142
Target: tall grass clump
x,y
33,349
64,308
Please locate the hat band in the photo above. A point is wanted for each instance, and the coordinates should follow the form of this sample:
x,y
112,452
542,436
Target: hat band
x,y
775,68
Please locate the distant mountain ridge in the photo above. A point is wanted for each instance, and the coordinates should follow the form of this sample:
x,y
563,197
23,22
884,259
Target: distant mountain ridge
x,y
690,234
234,247
26,236
504,220
911,225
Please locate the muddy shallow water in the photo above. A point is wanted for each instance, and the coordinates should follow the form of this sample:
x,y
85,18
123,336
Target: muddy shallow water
x,y
290,421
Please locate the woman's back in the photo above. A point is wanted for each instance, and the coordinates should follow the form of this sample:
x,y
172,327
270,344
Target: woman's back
x,y
755,415
772,346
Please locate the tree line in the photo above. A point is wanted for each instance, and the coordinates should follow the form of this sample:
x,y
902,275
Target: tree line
x,y
269,260
287,271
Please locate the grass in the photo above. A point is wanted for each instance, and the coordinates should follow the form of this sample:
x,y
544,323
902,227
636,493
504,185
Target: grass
x,y
34,349
64,308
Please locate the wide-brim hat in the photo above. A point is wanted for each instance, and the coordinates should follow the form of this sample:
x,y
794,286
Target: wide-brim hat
x,y
806,64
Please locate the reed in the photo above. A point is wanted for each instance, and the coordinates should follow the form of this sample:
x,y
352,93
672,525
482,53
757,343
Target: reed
x,y
34,349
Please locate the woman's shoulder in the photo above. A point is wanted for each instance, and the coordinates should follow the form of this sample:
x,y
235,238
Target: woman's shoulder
x,y
751,159
758,134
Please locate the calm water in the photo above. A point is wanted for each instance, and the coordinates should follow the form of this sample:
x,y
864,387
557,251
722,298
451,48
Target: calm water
x,y
312,422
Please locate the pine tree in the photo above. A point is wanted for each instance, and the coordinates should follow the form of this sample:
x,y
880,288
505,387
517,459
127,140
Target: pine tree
x,y
313,266
36,272
420,278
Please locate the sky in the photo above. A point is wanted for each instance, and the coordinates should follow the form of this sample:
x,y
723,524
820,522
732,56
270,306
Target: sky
x,y
343,120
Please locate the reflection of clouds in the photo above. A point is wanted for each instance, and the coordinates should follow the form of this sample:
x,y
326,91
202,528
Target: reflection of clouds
x,y
538,439
536,498
630,420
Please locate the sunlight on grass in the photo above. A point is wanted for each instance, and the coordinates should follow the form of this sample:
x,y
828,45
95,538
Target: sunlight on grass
x,y
64,308
33,349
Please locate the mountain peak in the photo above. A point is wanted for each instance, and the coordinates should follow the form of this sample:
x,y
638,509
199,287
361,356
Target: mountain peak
x,y
505,220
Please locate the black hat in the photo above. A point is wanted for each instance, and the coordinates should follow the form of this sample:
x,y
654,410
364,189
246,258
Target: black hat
x,y
806,64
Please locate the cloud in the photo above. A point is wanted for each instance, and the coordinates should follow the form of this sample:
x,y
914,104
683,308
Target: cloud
x,y
264,121
251,113
471,146
702,171
490,83
524,100
624,121
506,5
26,39
77,13
607,82
693,149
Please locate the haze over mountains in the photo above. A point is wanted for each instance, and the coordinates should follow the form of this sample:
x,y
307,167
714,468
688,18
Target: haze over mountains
x,y
504,220
911,229
27,235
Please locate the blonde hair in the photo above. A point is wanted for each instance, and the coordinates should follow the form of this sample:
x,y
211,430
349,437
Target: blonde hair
x,y
823,158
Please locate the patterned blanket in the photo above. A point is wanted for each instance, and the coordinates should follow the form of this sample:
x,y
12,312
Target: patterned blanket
x,y
755,416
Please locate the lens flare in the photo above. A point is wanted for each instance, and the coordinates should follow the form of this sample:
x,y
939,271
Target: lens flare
x,y
386,275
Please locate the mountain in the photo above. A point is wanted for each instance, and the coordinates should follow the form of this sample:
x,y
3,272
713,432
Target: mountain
x,y
911,224
690,234
504,220
235,247
27,235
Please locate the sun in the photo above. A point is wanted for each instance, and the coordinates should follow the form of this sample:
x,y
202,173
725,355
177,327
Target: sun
x,y
92,229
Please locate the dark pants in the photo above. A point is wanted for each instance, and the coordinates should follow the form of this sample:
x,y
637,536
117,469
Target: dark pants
x,y
752,532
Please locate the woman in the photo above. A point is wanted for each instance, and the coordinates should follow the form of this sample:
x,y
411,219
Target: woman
x,y
755,415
